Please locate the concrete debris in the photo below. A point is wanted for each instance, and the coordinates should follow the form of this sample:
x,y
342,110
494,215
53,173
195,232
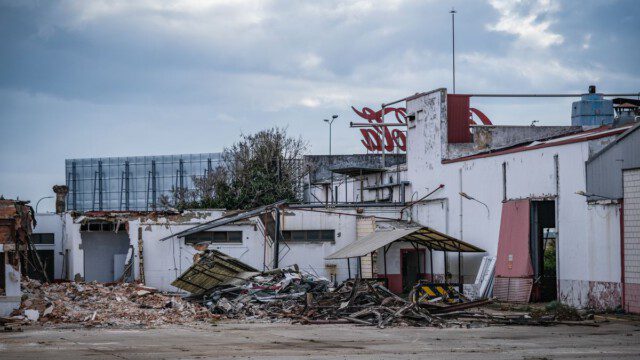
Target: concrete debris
x,y
102,305
32,315
288,295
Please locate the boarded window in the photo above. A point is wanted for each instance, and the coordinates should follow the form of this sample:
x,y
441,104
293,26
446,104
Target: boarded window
x,y
102,226
234,237
46,238
309,235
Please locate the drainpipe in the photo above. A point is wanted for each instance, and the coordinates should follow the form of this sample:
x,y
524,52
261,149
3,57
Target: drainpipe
x,y
276,242
556,163
461,233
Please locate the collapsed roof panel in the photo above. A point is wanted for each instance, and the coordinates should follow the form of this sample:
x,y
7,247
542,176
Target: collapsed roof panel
x,y
212,269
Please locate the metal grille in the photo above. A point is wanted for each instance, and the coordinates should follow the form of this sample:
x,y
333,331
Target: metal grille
x,y
132,183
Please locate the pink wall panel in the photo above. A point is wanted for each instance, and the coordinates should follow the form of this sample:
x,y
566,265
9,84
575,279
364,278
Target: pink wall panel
x,y
514,259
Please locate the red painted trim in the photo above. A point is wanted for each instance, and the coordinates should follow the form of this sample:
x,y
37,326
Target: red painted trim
x,y
622,252
600,134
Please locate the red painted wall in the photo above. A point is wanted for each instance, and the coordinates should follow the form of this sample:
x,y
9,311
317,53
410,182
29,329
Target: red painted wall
x,y
458,119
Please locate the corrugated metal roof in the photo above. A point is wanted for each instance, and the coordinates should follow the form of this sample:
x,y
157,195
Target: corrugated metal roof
x,y
214,268
422,235
227,219
587,135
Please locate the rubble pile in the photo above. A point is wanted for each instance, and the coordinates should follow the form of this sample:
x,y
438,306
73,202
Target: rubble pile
x,y
366,303
94,304
275,294
288,295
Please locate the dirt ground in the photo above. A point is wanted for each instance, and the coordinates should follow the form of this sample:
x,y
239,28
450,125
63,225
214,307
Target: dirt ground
x,y
616,339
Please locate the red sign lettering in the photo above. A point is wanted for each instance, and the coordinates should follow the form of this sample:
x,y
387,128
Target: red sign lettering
x,y
378,136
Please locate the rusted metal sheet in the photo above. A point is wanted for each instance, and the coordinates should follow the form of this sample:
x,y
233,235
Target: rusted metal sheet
x,y
514,258
514,272
458,119
512,289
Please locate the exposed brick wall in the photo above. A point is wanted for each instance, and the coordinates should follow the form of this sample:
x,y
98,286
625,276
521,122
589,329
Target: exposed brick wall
x,y
631,188
632,298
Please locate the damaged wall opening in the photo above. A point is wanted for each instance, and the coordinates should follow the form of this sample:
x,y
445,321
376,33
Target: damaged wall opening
x,y
543,250
526,261
105,252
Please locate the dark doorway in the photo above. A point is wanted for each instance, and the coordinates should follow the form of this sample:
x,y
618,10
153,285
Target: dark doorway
x,y
543,250
412,267
46,258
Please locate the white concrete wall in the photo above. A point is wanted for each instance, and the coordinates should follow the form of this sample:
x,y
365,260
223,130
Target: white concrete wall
x,y
351,185
52,223
310,256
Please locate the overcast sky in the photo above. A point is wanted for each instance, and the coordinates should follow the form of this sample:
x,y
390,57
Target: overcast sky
x,y
113,78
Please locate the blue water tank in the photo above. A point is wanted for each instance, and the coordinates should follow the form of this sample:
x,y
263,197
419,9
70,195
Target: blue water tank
x,y
592,110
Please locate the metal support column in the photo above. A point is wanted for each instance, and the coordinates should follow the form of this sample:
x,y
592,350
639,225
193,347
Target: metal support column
x,y
74,183
460,287
100,185
276,242
126,185
446,266
181,174
349,266
153,185
431,264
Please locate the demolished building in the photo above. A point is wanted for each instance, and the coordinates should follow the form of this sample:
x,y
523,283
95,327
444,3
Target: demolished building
x,y
521,193
16,224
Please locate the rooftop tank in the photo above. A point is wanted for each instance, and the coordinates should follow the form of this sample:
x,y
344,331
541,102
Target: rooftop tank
x,y
592,110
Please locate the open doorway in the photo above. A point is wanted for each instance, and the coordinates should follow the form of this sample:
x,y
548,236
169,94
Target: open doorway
x,y
105,251
412,263
543,250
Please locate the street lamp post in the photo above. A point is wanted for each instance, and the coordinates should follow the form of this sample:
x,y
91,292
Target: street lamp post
x,y
42,198
330,122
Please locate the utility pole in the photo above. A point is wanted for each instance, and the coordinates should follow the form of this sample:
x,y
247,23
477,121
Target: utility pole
x,y
453,45
330,122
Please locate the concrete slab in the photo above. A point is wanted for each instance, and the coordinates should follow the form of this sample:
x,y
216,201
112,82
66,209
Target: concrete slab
x,y
283,341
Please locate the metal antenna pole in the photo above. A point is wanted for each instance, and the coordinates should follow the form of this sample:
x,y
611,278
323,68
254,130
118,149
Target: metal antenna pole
x,y
453,47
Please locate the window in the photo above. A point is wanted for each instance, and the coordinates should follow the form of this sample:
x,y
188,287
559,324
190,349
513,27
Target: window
x,y
46,238
234,237
102,226
309,235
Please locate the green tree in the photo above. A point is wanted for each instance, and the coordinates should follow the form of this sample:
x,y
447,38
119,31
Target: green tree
x,y
259,169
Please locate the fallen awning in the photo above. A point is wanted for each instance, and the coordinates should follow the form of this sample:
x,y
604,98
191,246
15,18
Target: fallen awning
x,y
214,268
420,235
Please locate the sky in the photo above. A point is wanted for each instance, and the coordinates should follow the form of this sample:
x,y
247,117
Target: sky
x,y
114,78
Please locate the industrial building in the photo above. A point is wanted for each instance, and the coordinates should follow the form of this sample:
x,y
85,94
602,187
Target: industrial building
x,y
554,205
